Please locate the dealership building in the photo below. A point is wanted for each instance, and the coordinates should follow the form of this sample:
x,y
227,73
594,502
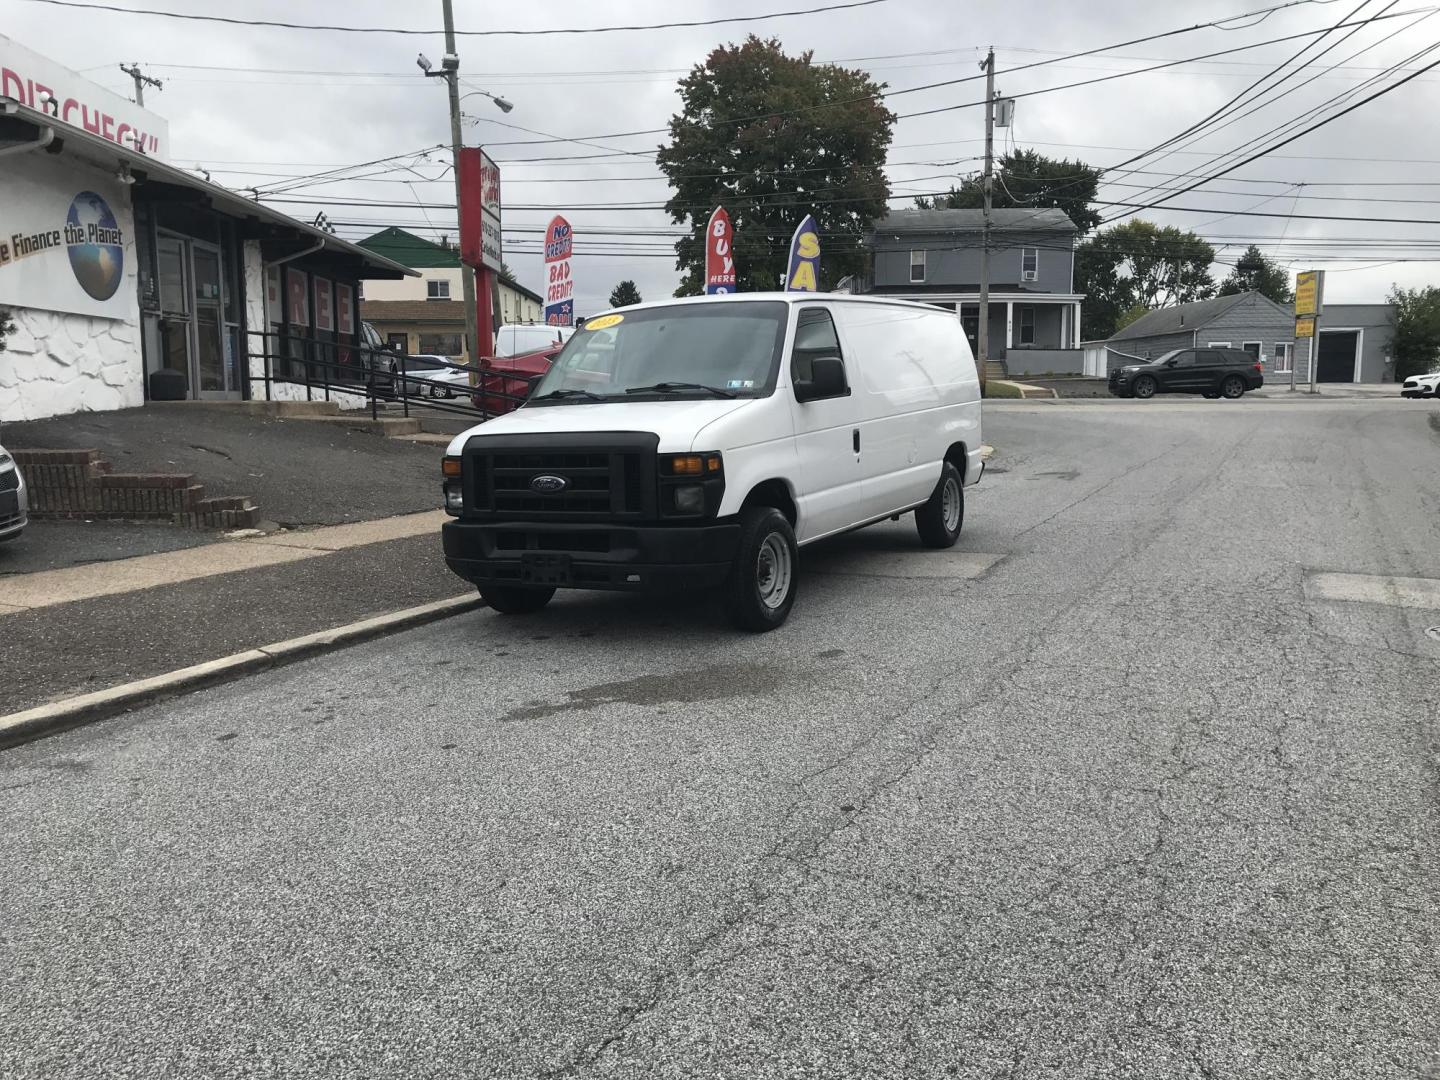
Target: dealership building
x,y
128,279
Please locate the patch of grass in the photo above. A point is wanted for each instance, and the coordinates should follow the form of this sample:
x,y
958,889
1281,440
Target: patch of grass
x,y
999,388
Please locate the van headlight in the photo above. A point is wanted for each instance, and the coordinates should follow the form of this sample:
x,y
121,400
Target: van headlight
x,y
689,499
691,485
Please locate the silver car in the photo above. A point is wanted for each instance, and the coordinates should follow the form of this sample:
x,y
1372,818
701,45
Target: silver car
x,y
14,507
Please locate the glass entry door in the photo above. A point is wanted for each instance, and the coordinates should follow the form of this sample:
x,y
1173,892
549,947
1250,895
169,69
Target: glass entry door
x,y
192,326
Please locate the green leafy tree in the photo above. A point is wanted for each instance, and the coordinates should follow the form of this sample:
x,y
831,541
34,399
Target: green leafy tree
x,y
1025,178
7,327
1255,273
1129,315
1139,264
1414,330
772,138
624,294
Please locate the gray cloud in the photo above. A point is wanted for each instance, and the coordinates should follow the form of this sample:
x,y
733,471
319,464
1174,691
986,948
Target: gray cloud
x,y
249,127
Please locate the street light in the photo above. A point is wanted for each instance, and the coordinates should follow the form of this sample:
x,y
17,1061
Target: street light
x,y
500,103
480,344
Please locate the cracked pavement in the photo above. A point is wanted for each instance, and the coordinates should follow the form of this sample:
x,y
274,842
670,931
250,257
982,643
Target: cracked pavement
x,y
1125,804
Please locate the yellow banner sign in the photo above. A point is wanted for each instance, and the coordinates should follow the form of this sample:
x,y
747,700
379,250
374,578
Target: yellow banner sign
x,y
1305,327
1307,294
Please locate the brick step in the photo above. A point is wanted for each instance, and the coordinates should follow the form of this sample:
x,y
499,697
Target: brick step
x,y
79,484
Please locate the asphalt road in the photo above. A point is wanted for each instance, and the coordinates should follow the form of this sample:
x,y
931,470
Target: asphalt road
x,y
1123,803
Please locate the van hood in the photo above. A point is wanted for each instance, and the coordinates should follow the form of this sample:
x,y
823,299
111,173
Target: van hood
x,y
676,421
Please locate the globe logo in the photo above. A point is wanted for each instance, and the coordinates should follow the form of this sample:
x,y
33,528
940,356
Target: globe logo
x,y
97,250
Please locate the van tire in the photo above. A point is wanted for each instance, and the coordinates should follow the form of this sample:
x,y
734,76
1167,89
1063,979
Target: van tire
x,y
931,519
515,599
760,589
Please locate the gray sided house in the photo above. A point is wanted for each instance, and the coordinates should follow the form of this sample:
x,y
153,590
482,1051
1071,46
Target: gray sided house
x,y
933,256
1246,321
1355,344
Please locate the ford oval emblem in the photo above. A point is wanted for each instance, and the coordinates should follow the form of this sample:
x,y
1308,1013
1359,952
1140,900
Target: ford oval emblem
x,y
548,484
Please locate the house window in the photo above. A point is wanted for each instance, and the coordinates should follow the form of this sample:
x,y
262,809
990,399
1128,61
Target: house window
x,y
441,345
1282,356
1029,264
1027,326
1218,344
917,266
437,290
1252,347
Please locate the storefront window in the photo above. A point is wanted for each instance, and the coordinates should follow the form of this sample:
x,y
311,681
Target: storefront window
x,y
441,344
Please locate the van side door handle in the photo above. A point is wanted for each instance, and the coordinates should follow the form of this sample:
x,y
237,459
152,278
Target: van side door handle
x,y
856,434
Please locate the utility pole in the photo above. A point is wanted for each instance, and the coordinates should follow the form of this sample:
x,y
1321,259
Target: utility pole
x,y
141,81
450,66
983,336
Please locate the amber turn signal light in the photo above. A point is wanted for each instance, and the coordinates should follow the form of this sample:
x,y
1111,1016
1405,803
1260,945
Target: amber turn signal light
x,y
450,466
691,464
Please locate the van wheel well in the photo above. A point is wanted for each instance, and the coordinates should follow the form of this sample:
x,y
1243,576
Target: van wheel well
x,y
958,456
773,493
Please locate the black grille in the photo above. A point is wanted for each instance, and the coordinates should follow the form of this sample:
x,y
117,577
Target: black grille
x,y
9,480
608,476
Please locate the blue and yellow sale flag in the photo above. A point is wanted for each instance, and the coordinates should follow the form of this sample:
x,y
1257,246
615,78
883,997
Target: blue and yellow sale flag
x,y
803,272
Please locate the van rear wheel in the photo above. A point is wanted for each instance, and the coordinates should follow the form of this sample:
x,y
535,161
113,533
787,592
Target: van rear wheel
x,y
760,588
515,599
940,520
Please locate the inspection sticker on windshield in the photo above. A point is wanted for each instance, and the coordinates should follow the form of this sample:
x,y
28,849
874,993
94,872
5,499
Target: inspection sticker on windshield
x,y
740,384
604,322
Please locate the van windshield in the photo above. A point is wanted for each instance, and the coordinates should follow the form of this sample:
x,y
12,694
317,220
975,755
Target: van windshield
x,y
727,349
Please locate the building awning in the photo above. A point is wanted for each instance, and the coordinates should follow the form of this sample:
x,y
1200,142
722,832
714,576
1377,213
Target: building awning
x,y
20,124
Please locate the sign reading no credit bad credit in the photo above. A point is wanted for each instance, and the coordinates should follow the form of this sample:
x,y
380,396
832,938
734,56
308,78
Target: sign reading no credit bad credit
x,y
559,285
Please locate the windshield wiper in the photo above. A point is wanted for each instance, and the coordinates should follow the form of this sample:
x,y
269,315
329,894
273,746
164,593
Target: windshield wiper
x,y
679,387
567,392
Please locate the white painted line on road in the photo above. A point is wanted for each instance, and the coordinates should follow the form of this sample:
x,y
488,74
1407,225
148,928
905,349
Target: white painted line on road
x,y
26,592
70,712
1407,592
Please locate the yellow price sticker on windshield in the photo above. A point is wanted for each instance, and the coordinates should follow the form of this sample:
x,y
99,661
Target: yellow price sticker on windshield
x,y
604,322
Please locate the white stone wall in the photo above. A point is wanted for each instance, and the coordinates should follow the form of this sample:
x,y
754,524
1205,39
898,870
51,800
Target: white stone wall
x,y
56,363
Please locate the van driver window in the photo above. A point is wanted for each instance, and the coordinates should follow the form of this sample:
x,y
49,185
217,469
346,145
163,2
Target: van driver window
x,y
814,336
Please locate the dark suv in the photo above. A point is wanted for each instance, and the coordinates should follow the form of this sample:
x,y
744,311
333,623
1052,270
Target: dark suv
x,y
1212,372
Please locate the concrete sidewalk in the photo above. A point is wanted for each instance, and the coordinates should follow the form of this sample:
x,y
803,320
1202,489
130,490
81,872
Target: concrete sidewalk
x,y
80,629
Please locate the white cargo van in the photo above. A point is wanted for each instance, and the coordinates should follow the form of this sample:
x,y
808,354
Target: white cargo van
x,y
702,442
517,339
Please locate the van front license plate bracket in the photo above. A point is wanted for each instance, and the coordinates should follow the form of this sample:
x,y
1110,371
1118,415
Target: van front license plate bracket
x,y
545,569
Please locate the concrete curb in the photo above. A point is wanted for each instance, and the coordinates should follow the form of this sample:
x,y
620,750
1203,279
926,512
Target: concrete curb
x,y
72,712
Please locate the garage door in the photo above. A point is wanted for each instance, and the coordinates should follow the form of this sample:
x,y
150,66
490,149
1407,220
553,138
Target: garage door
x,y
1337,355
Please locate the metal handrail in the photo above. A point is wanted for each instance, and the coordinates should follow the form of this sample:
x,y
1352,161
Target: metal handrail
x,y
359,373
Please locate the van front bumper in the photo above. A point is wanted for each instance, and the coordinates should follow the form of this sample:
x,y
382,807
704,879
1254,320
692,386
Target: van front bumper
x,y
634,558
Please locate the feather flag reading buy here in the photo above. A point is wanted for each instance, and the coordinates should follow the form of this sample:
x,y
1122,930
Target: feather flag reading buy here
x,y
803,272
719,254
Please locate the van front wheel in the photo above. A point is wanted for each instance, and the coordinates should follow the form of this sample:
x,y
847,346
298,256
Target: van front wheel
x,y
760,589
940,520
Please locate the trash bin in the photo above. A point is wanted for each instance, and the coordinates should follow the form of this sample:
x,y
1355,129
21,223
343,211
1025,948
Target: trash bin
x,y
167,384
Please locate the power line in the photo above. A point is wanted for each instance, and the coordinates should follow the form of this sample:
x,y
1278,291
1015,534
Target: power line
x,y
191,17
1284,142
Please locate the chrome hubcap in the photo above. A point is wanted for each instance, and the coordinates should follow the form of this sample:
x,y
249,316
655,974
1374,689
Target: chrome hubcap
x,y
950,504
773,569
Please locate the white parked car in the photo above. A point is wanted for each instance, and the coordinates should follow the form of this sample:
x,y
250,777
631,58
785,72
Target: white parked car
x,y
517,340
422,372
1419,386
14,506
703,442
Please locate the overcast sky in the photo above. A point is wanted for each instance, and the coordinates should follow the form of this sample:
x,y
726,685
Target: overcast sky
x,y
256,127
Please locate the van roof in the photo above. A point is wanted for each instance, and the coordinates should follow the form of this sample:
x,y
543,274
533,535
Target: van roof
x,y
783,297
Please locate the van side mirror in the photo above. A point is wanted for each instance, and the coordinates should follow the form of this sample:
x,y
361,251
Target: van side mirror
x,y
827,380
